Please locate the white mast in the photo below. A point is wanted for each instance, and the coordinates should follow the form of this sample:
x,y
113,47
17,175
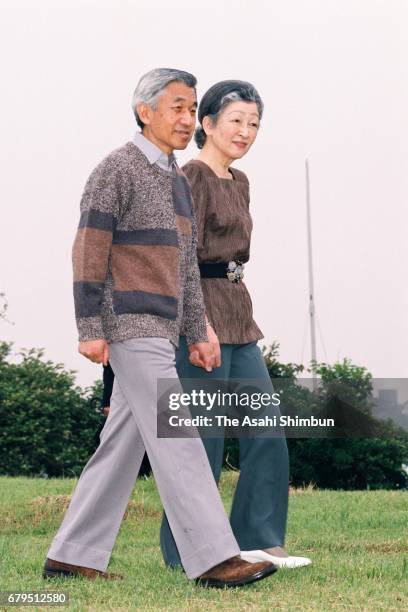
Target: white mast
x,y
310,260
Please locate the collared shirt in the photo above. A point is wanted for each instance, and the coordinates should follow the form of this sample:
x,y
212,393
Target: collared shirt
x,y
153,153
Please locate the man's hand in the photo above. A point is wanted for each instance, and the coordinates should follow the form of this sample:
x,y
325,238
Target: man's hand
x,y
95,350
201,355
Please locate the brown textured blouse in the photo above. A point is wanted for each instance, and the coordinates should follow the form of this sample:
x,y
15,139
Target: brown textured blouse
x,y
224,234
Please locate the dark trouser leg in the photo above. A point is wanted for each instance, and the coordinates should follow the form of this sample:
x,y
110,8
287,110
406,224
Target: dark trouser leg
x,y
259,510
214,446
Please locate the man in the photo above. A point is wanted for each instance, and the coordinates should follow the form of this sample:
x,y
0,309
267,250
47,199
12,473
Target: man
x,y
136,284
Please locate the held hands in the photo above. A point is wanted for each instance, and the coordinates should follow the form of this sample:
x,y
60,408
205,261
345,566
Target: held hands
x,y
215,345
95,350
206,355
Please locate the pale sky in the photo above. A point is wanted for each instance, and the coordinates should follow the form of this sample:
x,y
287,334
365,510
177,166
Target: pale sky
x,y
334,78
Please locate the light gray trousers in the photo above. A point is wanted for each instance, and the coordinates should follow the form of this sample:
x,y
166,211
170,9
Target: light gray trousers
x,y
180,466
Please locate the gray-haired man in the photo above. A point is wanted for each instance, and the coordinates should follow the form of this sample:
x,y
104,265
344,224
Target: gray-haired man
x,y
136,285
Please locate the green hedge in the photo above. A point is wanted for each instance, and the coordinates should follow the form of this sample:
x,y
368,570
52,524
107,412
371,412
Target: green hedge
x,y
48,426
349,462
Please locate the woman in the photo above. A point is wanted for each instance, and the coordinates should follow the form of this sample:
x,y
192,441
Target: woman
x,y
229,116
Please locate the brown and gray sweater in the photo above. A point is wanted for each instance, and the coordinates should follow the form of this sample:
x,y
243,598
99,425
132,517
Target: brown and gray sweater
x,y
134,256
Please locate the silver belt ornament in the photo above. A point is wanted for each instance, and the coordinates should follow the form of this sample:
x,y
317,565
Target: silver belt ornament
x,y
235,271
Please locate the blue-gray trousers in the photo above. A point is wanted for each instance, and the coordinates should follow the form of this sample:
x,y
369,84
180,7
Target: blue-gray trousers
x,y
260,505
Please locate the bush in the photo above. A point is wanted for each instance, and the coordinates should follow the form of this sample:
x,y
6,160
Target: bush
x,y
48,426
356,463
348,462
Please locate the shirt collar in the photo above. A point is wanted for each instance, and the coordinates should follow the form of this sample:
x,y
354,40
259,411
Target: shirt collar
x,y
152,152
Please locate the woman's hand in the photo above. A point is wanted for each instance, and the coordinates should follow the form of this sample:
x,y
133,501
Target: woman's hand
x,y
215,345
214,351
201,355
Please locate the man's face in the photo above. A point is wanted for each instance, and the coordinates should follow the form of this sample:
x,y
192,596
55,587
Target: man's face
x,y
171,125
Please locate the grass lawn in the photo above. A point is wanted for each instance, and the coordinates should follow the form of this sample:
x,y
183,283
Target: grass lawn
x,y
358,542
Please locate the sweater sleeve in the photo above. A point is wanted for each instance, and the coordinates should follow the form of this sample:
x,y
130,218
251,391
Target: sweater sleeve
x,y
104,196
193,324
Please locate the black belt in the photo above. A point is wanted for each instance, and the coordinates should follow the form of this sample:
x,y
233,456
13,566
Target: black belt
x,y
231,270
213,270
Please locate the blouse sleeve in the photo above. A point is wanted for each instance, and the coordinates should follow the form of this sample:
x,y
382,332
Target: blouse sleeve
x,y
198,185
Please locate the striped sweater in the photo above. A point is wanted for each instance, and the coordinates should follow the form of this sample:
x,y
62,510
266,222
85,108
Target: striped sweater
x,y
134,255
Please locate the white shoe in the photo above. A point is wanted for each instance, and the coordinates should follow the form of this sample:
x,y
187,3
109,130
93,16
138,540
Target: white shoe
x,y
260,555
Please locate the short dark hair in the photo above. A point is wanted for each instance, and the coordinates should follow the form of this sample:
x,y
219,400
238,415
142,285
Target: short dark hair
x,y
218,97
152,83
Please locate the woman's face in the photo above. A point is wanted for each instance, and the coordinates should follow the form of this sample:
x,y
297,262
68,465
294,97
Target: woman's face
x,y
235,130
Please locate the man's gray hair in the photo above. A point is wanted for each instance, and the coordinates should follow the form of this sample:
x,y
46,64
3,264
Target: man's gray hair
x,y
151,86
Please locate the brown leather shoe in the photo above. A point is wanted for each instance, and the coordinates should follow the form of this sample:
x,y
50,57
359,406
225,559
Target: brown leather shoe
x,y
235,572
56,569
